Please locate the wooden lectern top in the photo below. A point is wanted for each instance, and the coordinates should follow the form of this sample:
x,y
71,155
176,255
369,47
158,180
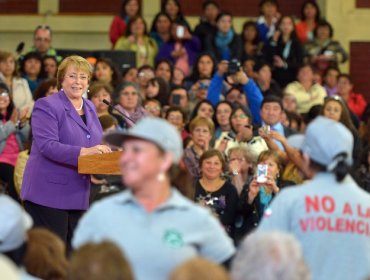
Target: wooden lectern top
x,y
107,164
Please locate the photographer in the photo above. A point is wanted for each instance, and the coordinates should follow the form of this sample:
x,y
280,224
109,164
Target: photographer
x,y
234,73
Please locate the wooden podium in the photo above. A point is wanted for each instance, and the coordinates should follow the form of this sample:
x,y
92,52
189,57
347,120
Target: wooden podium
x,y
107,164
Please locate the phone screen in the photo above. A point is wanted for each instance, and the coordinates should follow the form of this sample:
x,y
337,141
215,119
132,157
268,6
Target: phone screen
x,y
180,31
262,173
176,99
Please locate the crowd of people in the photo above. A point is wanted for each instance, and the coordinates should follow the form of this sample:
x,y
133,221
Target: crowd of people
x,y
215,170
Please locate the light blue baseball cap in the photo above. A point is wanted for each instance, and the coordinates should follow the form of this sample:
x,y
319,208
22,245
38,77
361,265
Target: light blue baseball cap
x,y
324,140
155,130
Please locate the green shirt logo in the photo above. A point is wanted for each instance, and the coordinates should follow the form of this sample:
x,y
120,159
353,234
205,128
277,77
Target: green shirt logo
x,y
173,238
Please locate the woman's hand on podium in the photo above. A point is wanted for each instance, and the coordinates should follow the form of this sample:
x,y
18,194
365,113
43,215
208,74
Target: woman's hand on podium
x,y
96,150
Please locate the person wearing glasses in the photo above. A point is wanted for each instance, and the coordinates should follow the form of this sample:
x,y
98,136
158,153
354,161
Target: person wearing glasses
x,y
14,130
42,41
65,126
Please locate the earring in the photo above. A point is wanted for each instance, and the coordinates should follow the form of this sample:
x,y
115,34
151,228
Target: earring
x,y
161,177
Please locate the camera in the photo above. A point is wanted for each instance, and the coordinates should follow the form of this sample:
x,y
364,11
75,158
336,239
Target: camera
x,y
234,67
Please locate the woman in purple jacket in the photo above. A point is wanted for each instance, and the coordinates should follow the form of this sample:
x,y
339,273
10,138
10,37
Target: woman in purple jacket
x,y
64,126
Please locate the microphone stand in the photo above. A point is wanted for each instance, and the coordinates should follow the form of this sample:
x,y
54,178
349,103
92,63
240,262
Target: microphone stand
x,y
111,107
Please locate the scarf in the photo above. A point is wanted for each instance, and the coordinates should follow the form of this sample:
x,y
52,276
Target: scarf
x,y
222,43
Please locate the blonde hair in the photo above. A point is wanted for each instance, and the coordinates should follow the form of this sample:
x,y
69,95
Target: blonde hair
x,y
4,55
199,121
74,60
199,269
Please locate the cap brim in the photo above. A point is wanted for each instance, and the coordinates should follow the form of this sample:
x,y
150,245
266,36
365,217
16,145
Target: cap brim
x,y
296,141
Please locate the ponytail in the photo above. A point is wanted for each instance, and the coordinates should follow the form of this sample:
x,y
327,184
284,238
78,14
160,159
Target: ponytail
x,y
339,167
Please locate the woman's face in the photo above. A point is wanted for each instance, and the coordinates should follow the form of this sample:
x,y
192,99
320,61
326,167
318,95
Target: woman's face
x,y
273,167
223,114
205,110
132,8
241,124
103,72
129,99
310,11
4,100
242,161
153,109
7,66
75,82
331,78
201,136
175,118
138,27
152,90
333,110
140,163
163,25
305,74
344,86
131,75
250,33
224,24
163,71
211,168
286,25
172,9
205,66
323,33
98,98
32,67
51,67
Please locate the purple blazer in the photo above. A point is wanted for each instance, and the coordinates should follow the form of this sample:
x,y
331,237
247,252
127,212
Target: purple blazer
x,y
50,177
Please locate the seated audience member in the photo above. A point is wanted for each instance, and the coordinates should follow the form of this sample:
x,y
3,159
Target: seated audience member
x,y
46,88
270,256
137,39
148,156
129,103
182,49
305,90
241,123
14,131
179,97
248,66
271,115
199,269
153,107
178,77
225,43
161,29
257,195
18,87
239,79
284,52
130,74
214,192
203,68
222,119
99,261
204,108
15,223
251,42
158,89
50,65
173,9
42,42
144,75
207,23
355,101
289,102
45,255
164,69
118,27
335,109
323,51
294,121
264,80
330,80
267,21
32,69
201,131
100,91
310,16
176,116
105,71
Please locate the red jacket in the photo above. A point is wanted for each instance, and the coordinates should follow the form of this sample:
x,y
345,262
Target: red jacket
x,y
357,103
117,29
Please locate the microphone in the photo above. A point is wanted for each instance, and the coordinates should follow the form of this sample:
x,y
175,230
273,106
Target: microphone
x,y
20,48
111,107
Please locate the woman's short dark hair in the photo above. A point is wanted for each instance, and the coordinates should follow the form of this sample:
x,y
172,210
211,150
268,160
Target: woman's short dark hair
x,y
116,76
244,110
324,23
32,55
175,109
314,4
223,14
156,18
251,23
211,153
43,88
123,8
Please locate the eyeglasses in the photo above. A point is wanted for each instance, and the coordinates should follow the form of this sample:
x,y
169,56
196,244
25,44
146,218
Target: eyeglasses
x,y
237,158
4,94
152,108
240,116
